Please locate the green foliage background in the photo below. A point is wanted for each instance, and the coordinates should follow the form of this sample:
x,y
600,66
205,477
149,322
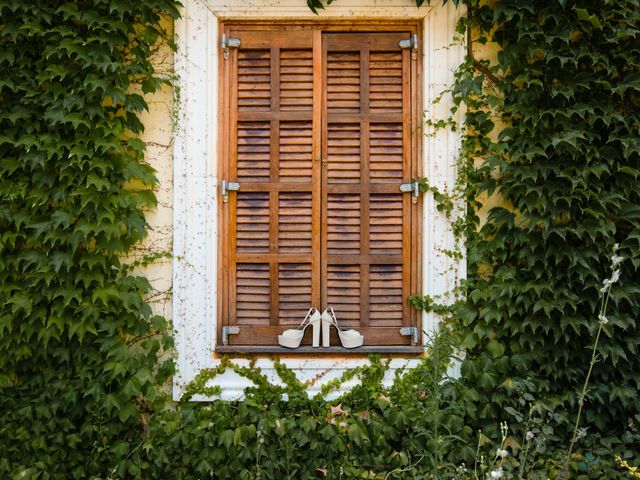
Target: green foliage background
x,y
79,370
565,115
553,127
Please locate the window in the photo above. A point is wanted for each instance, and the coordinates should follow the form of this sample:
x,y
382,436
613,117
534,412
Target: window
x,y
319,142
199,163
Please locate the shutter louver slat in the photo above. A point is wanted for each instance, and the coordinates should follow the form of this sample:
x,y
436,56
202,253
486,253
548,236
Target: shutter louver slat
x,y
296,80
343,153
252,222
385,153
254,80
343,224
385,224
294,282
295,151
385,73
343,82
253,151
294,217
253,294
343,292
385,295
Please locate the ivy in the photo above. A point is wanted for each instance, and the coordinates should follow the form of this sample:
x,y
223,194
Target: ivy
x,y
79,345
553,127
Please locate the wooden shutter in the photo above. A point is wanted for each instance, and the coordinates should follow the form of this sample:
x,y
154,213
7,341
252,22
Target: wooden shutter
x,y
366,149
318,136
273,256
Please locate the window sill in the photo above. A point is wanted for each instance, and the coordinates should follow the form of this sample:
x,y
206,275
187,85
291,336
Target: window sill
x,y
306,350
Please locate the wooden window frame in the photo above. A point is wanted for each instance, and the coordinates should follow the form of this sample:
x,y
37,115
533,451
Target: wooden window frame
x,y
415,102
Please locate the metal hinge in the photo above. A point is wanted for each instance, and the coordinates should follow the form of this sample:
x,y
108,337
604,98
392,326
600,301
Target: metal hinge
x,y
410,332
226,331
413,188
225,187
226,43
411,43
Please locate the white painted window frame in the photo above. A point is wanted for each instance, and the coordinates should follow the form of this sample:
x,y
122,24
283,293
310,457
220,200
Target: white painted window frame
x,y
195,264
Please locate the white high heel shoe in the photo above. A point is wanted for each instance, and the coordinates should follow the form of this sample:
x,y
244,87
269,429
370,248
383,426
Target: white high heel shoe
x,y
292,338
348,338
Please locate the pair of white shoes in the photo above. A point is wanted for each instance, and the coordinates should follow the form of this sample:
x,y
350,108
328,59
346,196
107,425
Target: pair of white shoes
x,y
293,338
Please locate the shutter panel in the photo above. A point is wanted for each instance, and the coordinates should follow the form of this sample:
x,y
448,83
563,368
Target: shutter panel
x,y
319,138
271,141
367,151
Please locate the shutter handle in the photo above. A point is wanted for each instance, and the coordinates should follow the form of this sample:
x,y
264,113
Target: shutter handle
x,y
324,161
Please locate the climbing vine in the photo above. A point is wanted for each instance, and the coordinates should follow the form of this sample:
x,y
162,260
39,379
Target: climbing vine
x,y
551,136
552,133
79,367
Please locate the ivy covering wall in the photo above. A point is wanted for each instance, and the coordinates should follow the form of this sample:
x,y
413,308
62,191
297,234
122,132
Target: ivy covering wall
x,y
79,370
557,126
553,127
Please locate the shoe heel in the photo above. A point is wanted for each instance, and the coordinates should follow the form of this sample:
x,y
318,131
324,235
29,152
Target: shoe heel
x,y
316,334
326,331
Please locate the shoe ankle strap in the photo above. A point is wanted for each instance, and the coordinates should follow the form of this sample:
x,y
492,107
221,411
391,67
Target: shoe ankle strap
x,y
308,315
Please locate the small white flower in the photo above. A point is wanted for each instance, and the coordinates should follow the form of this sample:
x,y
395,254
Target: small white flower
x,y
616,246
530,435
502,453
606,285
616,260
603,319
616,276
496,474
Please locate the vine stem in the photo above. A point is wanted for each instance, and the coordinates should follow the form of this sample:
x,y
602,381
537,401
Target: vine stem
x,y
475,463
399,469
526,441
476,63
583,393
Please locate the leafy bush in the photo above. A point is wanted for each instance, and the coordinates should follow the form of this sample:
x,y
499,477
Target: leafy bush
x,y
281,432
